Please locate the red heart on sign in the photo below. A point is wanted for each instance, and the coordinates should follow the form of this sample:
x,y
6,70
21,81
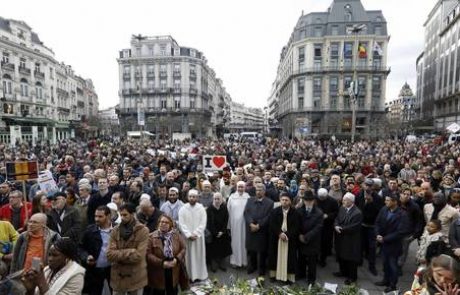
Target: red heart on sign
x,y
218,161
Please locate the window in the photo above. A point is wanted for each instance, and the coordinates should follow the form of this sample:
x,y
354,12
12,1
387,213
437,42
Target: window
x,y
333,84
151,51
301,53
301,102
126,69
37,67
162,49
39,90
378,30
7,84
51,73
163,84
334,50
151,83
22,62
376,84
192,103
317,84
317,53
6,58
138,51
318,31
52,93
164,103
177,102
348,49
301,86
335,30
177,83
177,67
24,88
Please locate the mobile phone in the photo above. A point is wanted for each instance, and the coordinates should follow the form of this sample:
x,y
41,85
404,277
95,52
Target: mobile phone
x,y
36,261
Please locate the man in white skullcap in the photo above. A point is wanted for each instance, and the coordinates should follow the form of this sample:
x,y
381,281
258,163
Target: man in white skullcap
x,y
192,223
235,205
347,227
207,194
173,205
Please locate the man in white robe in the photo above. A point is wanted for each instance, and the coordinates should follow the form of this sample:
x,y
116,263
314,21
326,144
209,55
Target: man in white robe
x,y
192,223
235,205
173,205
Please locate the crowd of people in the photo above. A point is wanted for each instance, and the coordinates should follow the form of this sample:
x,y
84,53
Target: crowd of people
x,y
134,216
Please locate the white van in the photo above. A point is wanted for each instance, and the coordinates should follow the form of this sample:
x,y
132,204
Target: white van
x,y
252,136
454,138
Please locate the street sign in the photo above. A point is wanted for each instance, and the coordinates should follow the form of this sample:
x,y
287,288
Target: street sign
x,y
21,170
140,116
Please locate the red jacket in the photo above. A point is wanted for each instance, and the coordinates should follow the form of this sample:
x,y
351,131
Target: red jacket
x,y
6,212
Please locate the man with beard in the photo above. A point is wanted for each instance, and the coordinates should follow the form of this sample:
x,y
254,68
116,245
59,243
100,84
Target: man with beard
x,y
256,214
439,209
170,181
161,178
173,205
135,192
93,256
192,223
330,209
235,205
311,223
206,196
126,252
369,202
283,240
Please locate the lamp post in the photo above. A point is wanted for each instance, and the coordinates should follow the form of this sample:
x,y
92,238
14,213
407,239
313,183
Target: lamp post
x,y
354,87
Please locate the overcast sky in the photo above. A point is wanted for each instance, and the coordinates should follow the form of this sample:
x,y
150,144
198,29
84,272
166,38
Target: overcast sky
x,y
242,39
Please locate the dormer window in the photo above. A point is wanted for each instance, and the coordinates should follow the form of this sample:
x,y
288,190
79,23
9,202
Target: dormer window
x,y
21,34
348,13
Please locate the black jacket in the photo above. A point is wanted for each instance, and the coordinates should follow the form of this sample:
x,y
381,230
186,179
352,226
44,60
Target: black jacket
x,y
95,201
310,227
392,229
70,224
91,244
415,216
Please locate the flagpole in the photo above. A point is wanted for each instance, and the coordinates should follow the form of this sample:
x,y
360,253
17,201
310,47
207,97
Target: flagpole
x,y
354,97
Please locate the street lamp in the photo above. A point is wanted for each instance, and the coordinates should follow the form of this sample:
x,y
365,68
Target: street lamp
x,y
354,86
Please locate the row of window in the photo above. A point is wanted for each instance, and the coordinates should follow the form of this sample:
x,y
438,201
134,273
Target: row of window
x,y
334,83
162,103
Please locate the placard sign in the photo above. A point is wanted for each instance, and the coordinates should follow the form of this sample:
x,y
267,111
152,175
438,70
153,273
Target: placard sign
x,y
21,170
214,163
47,182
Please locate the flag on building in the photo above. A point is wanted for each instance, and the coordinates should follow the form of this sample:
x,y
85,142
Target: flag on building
x,y
378,49
362,51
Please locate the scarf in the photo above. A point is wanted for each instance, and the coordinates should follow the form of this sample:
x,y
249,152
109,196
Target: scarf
x,y
127,229
167,243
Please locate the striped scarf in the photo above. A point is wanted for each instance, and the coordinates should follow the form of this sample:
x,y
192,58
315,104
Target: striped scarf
x,y
167,243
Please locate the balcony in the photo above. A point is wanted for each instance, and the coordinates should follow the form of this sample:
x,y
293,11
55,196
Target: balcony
x,y
39,75
125,91
127,76
177,90
150,75
163,89
24,71
176,74
7,66
163,74
193,91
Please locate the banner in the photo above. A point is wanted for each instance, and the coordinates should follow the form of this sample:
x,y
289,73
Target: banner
x,y
47,182
214,163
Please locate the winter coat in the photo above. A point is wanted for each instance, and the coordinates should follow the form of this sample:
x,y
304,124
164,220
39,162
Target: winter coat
x,y
155,258
129,266
348,242
257,212
310,227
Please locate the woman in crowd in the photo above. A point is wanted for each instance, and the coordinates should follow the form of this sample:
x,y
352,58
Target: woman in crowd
x,y
218,242
165,258
40,203
62,276
71,197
